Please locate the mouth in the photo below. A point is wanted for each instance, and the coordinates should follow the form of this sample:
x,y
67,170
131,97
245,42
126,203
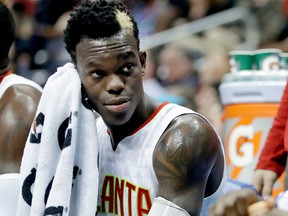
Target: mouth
x,y
117,106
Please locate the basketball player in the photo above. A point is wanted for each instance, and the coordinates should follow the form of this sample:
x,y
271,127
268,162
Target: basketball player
x,y
154,158
153,149
18,100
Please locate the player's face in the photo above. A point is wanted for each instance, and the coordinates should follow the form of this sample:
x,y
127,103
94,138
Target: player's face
x,y
111,72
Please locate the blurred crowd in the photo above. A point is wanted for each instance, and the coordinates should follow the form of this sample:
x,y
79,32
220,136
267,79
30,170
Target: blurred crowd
x,y
186,71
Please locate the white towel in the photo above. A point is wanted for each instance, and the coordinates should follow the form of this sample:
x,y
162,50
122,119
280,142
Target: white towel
x,y
59,170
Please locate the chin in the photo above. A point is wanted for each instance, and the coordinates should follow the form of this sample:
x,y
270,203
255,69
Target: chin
x,y
117,120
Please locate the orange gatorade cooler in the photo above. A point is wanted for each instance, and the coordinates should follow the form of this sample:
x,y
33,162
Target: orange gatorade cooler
x,y
250,100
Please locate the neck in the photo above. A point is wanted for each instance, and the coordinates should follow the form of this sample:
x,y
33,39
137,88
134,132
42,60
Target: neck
x,y
141,114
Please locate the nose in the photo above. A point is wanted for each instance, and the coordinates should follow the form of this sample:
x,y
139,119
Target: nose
x,y
115,84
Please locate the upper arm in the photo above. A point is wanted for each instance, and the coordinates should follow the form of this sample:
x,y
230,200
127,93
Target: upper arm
x,y
184,159
17,110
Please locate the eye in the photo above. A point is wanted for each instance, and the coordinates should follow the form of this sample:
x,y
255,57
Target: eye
x,y
127,68
97,74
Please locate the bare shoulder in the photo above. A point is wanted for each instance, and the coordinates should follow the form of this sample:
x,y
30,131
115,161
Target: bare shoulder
x,y
22,90
192,134
20,102
188,161
23,96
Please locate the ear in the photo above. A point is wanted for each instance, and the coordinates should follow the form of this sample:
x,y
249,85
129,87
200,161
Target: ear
x,y
142,56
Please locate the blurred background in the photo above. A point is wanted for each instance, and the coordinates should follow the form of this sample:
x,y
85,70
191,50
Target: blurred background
x,y
188,43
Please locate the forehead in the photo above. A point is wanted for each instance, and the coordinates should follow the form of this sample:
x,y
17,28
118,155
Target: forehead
x,y
116,43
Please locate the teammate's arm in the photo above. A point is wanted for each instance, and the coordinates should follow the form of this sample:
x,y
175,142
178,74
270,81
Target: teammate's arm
x,y
17,109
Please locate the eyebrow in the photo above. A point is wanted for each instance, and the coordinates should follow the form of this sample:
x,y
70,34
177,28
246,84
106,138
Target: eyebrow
x,y
126,55
121,56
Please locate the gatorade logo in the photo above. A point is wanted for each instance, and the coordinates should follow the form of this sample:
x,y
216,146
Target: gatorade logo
x,y
241,149
270,63
242,144
36,132
245,131
65,133
27,185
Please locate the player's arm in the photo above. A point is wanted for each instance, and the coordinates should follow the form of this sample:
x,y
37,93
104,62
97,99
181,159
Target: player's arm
x,y
17,110
183,161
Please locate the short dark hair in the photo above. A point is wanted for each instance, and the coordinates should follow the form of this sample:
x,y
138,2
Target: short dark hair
x,y
96,20
8,32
